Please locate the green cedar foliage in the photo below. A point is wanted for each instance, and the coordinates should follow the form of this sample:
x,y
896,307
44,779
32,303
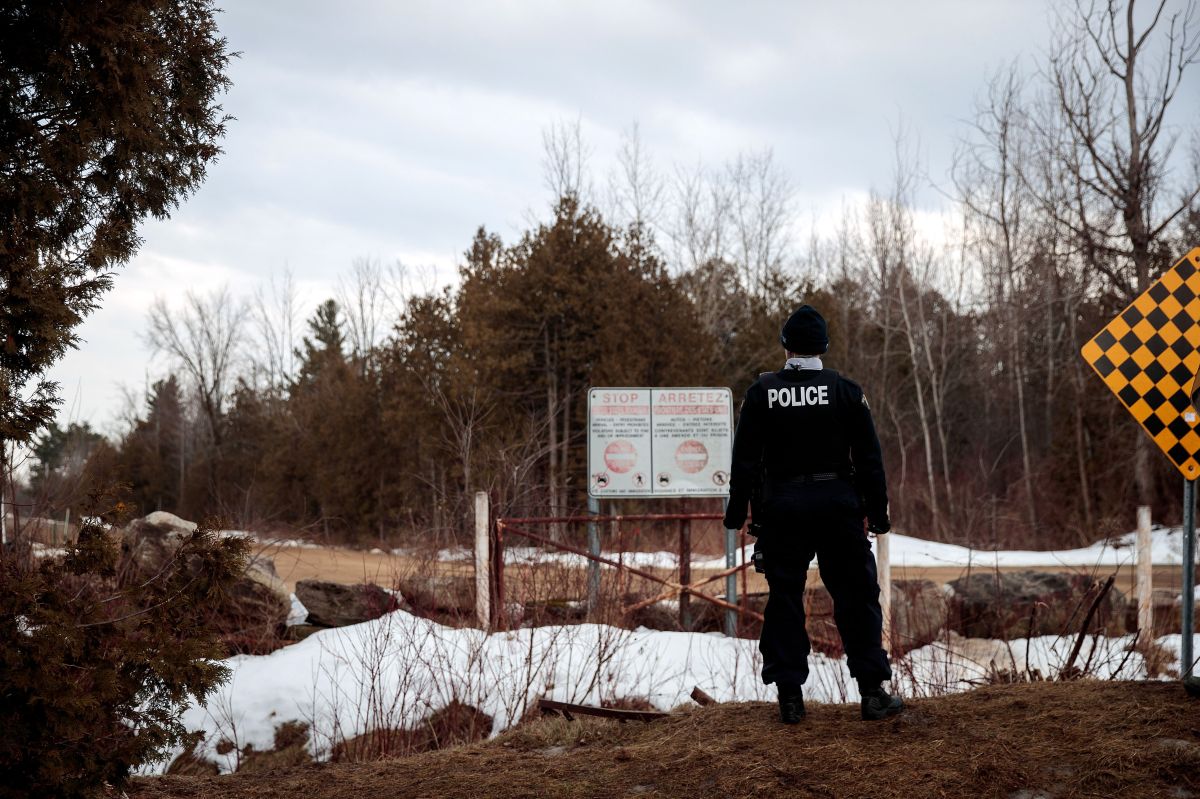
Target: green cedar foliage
x,y
108,114
99,661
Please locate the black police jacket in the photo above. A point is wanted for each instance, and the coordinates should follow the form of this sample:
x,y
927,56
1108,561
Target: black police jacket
x,y
796,423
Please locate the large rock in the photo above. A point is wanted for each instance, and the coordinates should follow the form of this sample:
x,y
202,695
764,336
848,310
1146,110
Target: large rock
x,y
160,518
452,594
920,609
1167,605
1008,605
150,542
338,605
250,616
919,614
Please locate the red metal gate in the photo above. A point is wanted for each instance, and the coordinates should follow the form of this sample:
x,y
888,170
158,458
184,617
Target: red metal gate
x,y
620,529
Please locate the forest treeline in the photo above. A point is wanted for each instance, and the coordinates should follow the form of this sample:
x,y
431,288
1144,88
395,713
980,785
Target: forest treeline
x,y
378,413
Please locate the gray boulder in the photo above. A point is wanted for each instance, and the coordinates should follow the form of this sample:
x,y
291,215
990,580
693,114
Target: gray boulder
x,y
920,610
249,616
452,594
1167,605
338,605
1009,605
919,614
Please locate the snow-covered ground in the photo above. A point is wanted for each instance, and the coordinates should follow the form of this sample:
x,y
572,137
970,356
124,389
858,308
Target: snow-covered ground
x,y
396,670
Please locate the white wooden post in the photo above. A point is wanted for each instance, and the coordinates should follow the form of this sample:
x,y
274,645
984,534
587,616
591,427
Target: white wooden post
x,y
1144,576
883,563
483,597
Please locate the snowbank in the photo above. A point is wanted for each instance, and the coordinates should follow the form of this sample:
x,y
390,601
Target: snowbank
x,y
1166,549
396,670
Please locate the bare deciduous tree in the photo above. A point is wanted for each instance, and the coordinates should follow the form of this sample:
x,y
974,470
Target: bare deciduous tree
x,y
637,192
203,337
1113,77
275,314
565,157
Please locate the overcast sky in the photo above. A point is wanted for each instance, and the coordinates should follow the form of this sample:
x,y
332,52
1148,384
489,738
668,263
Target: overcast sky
x,y
392,130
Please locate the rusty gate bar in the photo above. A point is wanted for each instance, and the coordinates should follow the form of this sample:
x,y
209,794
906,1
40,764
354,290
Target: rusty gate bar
x,y
497,581
608,517
734,610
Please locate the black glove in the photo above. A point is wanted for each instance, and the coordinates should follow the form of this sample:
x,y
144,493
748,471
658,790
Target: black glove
x,y
879,526
733,519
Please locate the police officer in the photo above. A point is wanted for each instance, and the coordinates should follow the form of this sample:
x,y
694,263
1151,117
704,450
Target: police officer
x,y
806,453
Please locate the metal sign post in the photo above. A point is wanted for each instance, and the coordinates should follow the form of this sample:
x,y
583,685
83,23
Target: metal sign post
x,y
1186,657
731,578
593,537
1149,357
731,582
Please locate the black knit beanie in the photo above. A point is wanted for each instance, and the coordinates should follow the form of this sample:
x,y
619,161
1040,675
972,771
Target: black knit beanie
x,y
805,332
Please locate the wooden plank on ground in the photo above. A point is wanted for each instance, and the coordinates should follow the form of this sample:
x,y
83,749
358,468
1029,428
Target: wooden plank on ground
x,y
567,708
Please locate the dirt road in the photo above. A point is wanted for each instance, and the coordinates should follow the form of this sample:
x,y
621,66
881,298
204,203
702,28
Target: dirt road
x,y
356,566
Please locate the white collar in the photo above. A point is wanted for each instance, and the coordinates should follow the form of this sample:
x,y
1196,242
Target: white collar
x,y
813,362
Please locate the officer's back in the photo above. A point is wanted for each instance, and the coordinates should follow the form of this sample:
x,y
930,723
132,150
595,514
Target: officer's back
x,y
800,427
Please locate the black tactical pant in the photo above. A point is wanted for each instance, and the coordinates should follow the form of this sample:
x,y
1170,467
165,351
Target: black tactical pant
x,y
823,519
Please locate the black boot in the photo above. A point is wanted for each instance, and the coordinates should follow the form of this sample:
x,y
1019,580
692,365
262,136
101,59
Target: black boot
x,y
791,704
878,704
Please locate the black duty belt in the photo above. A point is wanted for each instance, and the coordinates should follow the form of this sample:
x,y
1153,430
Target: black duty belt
x,y
812,478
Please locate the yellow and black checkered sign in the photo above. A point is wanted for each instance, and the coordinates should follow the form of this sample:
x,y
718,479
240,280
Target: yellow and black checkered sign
x,y
1148,356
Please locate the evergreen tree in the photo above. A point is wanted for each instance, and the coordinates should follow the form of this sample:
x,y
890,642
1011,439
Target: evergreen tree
x,y
335,403
59,459
325,348
108,114
155,453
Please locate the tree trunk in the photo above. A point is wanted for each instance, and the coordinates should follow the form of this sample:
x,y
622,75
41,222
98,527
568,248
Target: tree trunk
x,y
565,459
915,361
552,429
1019,376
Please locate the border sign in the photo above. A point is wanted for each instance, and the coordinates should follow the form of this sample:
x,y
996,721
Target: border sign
x,y
1149,354
659,442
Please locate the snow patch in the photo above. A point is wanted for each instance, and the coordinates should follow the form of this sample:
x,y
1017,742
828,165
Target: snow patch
x,y
297,613
396,670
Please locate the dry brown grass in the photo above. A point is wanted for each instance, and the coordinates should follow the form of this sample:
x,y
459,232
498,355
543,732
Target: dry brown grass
x,y
1061,740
